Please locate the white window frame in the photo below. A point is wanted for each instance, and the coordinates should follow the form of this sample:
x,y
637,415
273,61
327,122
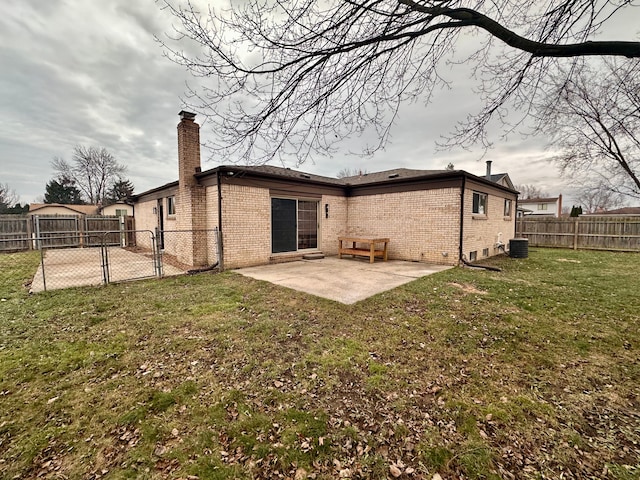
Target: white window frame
x,y
171,206
482,207
508,207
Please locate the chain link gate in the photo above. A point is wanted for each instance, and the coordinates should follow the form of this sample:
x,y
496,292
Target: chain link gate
x,y
103,260
123,255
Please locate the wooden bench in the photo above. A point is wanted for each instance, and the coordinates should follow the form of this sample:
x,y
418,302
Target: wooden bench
x,y
370,251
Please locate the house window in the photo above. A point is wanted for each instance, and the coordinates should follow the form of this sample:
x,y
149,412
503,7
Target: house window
x,y
479,203
121,212
171,206
542,206
485,252
507,207
473,256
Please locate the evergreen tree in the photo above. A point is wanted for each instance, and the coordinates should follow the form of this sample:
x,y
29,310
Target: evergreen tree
x,y
62,190
576,211
17,209
120,191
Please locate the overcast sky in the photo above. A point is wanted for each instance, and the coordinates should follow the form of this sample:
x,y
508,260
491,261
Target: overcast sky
x,y
82,72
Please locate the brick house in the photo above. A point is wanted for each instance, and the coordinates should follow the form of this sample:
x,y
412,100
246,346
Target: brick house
x,y
269,214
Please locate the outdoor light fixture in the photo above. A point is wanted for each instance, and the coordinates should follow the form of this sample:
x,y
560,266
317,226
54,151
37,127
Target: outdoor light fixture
x,y
155,210
326,210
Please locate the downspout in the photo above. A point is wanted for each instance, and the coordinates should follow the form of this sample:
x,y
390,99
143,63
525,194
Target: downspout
x,y
464,184
515,224
220,236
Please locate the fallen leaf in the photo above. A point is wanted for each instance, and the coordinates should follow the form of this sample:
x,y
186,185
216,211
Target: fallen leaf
x,y
395,471
160,450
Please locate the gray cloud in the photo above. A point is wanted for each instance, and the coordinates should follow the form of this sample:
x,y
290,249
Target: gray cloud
x,y
78,72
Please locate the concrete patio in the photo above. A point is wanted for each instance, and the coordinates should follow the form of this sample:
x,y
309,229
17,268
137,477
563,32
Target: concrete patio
x,y
346,281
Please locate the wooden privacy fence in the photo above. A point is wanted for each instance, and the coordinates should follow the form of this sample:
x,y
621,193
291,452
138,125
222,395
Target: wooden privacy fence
x,y
602,232
15,233
34,232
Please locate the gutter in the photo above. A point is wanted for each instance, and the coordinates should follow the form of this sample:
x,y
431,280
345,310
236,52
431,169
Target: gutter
x,y
238,171
460,251
336,183
220,236
515,213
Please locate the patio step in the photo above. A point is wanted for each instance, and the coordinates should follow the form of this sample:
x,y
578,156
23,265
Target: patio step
x,y
313,256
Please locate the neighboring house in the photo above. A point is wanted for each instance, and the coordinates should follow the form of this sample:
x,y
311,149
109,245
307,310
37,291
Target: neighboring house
x,y
521,212
542,206
62,209
270,214
499,178
118,209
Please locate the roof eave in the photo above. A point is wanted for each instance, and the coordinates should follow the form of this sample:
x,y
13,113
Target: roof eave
x,y
137,196
241,170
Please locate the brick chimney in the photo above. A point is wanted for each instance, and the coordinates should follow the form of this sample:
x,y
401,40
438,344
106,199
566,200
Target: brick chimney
x,y
191,202
559,205
188,149
488,174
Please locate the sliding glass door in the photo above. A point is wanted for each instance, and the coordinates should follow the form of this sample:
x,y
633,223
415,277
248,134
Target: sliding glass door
x,y
294,224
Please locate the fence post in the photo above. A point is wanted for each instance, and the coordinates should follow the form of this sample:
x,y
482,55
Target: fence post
x,y
123,242
157,259
522,232
29,231
105,260
575,233
44,277
36,221
81,227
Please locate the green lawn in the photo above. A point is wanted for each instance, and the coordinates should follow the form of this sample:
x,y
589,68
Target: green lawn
x,y
532,372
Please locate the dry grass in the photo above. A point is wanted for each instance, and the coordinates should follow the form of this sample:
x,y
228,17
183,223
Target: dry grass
x,y
531,372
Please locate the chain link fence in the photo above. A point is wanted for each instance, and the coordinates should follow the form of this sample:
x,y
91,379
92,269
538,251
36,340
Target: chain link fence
x,y
100,258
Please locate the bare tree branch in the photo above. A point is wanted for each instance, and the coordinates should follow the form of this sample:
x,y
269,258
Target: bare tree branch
x,y
593,119
467,17
598,197
93,170
8,197
298,77
528,191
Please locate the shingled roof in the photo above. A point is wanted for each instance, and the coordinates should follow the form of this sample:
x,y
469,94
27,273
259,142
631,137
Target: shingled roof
x,y
390,175
270,170
396,175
